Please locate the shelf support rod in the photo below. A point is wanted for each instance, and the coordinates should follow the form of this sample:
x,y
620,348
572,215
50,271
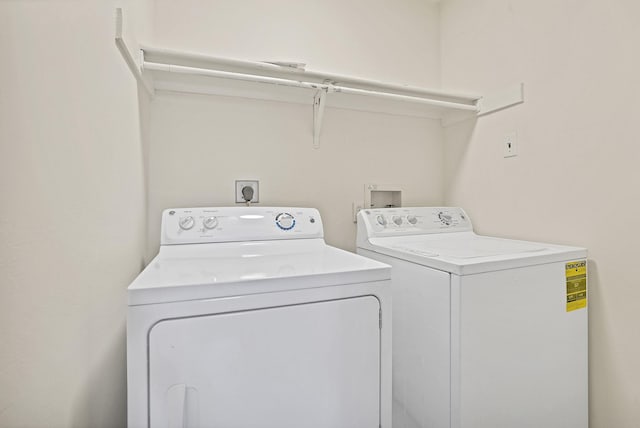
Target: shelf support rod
x,y
231,75
302,84
408,98
134,65
319,101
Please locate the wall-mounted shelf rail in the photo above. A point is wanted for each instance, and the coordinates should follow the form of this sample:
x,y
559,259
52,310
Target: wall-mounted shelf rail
x,y
194,73
129,59
178,71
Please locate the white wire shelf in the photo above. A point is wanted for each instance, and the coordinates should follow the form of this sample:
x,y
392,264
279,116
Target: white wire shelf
x,y
178,71
196,73
169,70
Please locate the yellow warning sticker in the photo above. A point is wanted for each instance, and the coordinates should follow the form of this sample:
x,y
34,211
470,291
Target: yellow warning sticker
x,y
576,273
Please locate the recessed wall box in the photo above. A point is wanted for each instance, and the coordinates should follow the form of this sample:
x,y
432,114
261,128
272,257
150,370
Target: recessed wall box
x,y
382,196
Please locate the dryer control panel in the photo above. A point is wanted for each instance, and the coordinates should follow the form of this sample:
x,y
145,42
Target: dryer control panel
x,y
234,224
412,221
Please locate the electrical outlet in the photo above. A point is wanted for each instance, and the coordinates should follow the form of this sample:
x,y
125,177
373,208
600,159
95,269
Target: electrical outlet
x,y
510,148
355,208
254,185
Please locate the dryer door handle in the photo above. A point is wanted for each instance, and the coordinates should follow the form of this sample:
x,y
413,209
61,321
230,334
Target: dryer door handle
x,y
177,406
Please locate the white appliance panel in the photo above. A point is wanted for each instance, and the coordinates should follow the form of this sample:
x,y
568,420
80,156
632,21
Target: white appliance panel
x,y
468,246
246,318
197,271
239,224
452,246
311,365
386,222
522,355
421,344
518,357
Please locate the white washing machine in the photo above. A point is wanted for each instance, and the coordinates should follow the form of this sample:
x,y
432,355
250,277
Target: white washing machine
x,y
246,318
487,332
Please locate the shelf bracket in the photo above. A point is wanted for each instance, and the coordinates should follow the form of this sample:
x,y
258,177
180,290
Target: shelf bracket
x,y
134,65
319,101
510,96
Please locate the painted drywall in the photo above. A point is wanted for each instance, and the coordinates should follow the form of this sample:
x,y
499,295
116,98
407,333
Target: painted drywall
x,y
201,144
392,41
72,214
575,179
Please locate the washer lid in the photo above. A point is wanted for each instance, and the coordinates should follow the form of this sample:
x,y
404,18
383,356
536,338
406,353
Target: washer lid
x,y
468,253
203,271
467,246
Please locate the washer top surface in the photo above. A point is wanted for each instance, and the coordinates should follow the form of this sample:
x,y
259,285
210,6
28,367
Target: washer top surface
x,y
443,238
459,246
197,261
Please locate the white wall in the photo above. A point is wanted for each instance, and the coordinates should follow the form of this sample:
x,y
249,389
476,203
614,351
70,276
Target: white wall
x,y
201,144
576,177
394,41
72,215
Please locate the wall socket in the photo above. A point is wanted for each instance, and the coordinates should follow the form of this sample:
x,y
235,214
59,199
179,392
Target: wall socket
x,y
253,184
356,207
510,148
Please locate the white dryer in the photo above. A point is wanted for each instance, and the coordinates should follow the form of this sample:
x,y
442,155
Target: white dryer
x,y
487,332
246,318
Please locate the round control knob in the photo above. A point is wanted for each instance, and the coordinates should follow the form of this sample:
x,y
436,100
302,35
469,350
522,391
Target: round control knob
x,y
285,221
186,223
210,222
446,219
412,219
381,220
397,219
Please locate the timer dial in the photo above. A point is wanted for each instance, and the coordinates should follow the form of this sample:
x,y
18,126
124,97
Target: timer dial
x,y
210,222
186,223
381,220
285,221
446,219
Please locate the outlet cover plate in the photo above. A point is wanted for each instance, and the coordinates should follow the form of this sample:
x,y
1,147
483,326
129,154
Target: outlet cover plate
x,y
510,148
356,206
241,184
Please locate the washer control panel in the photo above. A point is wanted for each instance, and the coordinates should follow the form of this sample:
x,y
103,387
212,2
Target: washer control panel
x,y
234,224
409,221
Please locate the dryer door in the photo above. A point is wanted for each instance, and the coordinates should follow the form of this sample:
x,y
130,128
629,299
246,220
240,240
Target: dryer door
x,y
311,365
